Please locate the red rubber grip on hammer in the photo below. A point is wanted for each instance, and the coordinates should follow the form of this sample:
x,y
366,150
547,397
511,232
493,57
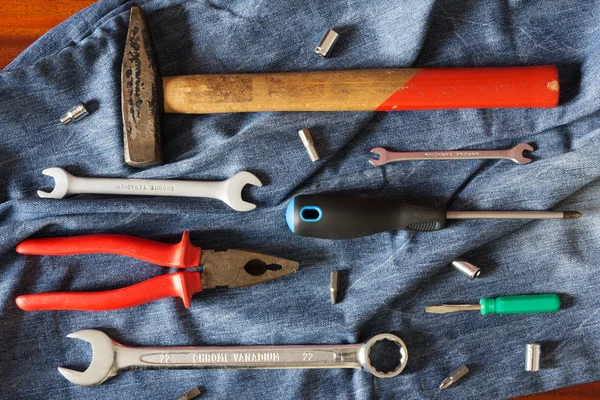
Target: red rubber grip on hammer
x,y
495,87
179,284
180,255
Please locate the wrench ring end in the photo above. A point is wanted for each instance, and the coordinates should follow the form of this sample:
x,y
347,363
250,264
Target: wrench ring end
x,y
366,350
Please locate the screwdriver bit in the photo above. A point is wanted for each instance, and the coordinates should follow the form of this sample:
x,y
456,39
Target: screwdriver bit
x,y
454,376
333,286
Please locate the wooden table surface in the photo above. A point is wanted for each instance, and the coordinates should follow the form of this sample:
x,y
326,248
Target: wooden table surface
x,y
23,21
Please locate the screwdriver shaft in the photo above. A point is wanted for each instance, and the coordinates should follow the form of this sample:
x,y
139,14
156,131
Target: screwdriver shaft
x,y
446,308
512,215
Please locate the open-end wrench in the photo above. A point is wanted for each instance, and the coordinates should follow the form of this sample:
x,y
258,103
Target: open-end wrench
x,y
110,357
515,154
228,191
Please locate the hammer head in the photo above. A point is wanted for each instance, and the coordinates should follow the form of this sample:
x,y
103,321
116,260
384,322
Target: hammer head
x,y
141,95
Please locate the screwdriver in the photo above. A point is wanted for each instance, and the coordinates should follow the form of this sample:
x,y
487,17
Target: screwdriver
x,y
347,216
522,304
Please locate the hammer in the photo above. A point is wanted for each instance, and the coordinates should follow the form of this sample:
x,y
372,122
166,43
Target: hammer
x,y
145,94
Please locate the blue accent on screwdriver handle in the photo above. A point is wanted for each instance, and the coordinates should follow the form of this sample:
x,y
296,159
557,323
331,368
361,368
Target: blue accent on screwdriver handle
x,y
289,215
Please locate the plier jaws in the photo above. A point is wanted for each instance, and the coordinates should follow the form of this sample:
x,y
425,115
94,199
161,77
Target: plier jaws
x,y
242,268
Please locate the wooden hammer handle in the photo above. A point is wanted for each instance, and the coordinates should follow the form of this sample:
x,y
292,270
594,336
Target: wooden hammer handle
x,y
364,90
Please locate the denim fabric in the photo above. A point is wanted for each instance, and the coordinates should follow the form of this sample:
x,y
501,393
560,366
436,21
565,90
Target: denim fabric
x,y
390,277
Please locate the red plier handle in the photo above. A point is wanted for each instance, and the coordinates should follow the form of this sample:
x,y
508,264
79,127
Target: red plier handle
x,y
180,255
179,284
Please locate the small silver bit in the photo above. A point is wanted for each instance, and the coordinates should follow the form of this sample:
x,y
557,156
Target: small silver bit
x,y
327,41
454,376
74,114
190,394
333,286
532,357
467,268
308,143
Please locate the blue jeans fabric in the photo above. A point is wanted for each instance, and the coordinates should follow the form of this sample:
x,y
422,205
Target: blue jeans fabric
x,y
391,276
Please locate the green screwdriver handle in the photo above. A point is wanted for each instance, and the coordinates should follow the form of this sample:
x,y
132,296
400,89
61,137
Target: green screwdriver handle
x,y
533,303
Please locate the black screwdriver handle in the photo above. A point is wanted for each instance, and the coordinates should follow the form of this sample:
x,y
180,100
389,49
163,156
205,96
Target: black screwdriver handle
x,y
346,216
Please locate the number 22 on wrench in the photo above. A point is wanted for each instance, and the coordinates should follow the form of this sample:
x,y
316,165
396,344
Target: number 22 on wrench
x,y
110,357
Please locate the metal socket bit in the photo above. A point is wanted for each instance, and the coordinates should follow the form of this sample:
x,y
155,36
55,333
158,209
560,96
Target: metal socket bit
x,y
532,357
333,286
467,268
326,44
74,114
454,376
308,143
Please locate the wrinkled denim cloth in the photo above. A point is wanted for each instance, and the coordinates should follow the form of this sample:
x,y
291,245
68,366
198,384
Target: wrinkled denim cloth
x,y
390,277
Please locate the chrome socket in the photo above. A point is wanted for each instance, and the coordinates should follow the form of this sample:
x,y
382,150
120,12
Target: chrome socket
x,y
309,144
74,114
326,44
533,352
466,268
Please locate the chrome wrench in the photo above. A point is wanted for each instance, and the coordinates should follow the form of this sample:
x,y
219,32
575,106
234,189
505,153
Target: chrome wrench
x,y
110,357
515,154
228,191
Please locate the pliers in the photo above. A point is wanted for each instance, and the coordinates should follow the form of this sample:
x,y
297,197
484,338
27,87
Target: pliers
x,y
230,268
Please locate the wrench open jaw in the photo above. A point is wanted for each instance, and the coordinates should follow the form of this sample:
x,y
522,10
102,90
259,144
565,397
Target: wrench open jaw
x,y
232,190
382,153
61,183
103,364
521,153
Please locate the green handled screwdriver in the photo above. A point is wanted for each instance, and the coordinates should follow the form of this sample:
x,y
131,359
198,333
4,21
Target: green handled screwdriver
x,y
523,304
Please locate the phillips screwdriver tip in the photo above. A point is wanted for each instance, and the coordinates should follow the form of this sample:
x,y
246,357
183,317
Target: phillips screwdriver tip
x,y
454,376
446,383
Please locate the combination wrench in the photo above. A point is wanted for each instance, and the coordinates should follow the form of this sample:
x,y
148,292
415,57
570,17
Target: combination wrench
x,y
110,357
515,154
228,191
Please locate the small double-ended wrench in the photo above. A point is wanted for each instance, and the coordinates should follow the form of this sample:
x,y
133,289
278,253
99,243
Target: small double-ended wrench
x,y
515,154
110,357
